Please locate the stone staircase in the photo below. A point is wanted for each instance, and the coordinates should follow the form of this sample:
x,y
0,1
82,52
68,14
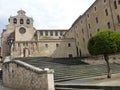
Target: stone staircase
x,y
70,69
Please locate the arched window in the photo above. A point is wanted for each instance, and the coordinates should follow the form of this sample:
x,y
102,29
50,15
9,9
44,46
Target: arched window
x,y
21,21
15,21
28,21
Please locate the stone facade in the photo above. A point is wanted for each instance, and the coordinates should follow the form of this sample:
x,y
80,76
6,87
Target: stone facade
x,y
101,15
19,75
56,48
21,39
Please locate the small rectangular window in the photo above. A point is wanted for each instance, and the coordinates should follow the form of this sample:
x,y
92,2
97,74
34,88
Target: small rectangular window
x,y
41,33
108,24
57,45
96,19
83,39
95,8
51,33
88,15
106,12
46,33
69,45
46,45
83,31
89,26
56,33
81,21
98,30
61,33
115,4
90,35
118,18
119,2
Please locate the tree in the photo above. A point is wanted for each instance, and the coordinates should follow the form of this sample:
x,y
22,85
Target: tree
x,y
105,43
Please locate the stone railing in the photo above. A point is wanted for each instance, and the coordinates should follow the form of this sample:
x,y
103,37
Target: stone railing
x,y
20,75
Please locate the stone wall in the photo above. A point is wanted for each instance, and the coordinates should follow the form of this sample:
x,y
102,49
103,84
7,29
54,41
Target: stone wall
x,y
55,48
19,75
101,15
115,58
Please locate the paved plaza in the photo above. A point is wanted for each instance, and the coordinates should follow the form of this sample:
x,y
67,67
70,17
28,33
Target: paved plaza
x,y
95,81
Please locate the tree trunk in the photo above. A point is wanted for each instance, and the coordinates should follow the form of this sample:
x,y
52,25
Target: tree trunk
x,y
108,65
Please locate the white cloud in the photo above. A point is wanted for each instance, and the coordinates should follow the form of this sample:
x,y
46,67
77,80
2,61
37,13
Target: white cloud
x,y
47,14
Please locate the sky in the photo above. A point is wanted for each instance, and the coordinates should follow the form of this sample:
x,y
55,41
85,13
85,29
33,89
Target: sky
x,y
47,14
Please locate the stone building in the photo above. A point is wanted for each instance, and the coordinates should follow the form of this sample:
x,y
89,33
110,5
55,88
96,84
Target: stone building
x,y
21,39
101,15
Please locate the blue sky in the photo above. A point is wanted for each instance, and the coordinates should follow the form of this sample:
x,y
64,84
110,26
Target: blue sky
x,y
47,14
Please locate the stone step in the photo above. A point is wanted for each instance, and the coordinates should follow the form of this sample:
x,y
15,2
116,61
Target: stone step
x,y
64,71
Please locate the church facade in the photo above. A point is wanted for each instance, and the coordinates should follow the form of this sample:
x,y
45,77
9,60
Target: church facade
x,y
21,39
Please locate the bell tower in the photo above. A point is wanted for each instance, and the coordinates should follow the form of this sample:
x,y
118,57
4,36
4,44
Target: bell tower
x,y
24,30
20,28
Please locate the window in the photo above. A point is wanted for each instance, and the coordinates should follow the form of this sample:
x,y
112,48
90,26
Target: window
x,y
89,26
15,21
108,24
83,31
70,55
21,21
104,1
90,35
69,45
98,30
119,2
106,12
56,33
46,33
115,4
46,45
61,33
95,8
51,33
118,18
96,19
83,39
57,45
81,21
41,33
88,15
28,21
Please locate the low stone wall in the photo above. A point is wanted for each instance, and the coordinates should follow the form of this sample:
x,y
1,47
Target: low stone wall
x,y
100,59
20,75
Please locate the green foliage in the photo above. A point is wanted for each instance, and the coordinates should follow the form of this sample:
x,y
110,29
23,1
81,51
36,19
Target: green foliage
x,y
105,42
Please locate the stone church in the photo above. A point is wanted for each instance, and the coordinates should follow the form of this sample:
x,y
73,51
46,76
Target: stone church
x,y
21,39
